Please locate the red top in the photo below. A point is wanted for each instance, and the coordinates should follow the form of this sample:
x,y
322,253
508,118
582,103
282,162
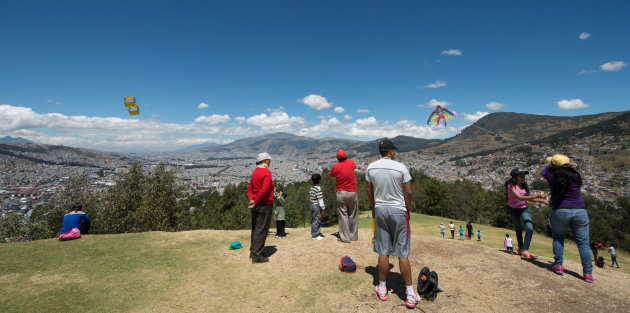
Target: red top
x,y
343,172
260,188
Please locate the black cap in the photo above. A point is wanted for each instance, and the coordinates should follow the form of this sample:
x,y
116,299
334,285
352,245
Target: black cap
x,y
516,172
386,145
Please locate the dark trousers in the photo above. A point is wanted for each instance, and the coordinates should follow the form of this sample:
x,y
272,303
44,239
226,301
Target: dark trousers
x,y
280,229
261,217
452,234
594,253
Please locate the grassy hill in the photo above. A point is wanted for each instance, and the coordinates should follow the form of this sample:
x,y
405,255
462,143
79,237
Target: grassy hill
x,y
195,271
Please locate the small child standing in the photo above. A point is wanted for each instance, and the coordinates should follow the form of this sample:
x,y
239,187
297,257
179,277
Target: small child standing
x,y
507,243
613,256
317,207
461,233
478,235
442,229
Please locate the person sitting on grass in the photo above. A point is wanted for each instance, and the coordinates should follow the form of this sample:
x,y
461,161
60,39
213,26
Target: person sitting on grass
x,y
74,223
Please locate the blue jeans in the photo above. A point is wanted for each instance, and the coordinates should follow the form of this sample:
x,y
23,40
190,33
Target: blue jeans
x,y
577,219
526,215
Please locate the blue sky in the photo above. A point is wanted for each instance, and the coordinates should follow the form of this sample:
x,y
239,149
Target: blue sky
x,y
216,71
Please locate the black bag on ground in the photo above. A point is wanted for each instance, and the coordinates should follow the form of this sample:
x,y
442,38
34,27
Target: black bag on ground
x,y
428,284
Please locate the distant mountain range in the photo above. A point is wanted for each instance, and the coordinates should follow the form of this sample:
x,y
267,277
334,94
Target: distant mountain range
x,y
14,139
492,132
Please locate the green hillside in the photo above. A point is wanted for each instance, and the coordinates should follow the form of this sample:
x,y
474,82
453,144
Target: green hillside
x,y
194,271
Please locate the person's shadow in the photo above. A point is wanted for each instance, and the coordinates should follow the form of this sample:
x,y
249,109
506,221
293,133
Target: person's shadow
x,y
546,265
269,251
395,281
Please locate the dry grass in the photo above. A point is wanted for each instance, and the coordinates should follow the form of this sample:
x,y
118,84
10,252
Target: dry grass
x,y
196,272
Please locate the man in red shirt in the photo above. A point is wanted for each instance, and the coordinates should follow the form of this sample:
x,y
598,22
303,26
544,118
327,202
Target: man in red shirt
x,y
347,204
260,195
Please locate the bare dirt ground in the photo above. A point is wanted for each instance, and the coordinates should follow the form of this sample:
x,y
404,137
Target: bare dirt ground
x,y
302,276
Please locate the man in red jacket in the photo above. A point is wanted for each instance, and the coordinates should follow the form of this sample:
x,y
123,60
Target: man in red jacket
x,y
347,204
260,195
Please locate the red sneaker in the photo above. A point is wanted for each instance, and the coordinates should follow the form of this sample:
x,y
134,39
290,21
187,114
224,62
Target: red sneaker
x,y
517,252
525,254
587,278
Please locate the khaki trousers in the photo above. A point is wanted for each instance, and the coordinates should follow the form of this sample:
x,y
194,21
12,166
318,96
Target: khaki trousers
x,y
348,208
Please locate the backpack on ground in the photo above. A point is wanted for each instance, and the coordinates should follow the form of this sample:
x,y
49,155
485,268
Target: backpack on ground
x,y
428,284
347,265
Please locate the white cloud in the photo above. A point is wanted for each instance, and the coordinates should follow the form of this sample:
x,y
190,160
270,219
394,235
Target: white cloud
x,y
213,119
433,103
49,101
363,111
370,121
347,117
613,66
316,102
437,84
452,52
339,110
494,105
202,105
586,72
583,36
571,104
471,118
276,122
240,119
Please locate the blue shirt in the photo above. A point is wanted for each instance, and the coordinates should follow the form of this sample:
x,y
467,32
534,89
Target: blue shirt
x,y
73,220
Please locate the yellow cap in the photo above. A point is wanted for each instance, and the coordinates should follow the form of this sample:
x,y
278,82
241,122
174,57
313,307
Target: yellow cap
x,y
560,160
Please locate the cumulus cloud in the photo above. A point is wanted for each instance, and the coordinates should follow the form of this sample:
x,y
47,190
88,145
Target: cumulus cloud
x,y
572,104
363,111
316,102
433,103
437,84
276,121
494,105
613,66
471,118
583,36
347,117
213,119
452,52
339,109
240,119
202,105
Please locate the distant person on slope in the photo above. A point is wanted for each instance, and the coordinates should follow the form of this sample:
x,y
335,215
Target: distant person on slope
x,y
461,233
478,235
594,246
260,195
347,201
280,214
613,256
507,243
518,195
452,227
469,230
75,223
442,230
317,207
389,193
567,210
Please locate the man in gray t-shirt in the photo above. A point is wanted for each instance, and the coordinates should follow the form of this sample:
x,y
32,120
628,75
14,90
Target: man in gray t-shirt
x,y
389,193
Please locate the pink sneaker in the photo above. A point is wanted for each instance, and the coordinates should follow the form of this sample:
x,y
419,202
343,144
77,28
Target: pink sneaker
x,y
517,252
412,300
381,293
526,255
557,269
587,278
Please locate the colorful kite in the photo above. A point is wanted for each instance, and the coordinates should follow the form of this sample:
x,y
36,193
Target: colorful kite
x,y
132,107
438,114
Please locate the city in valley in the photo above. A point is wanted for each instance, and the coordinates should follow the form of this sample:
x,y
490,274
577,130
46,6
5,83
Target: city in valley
x,y
31,174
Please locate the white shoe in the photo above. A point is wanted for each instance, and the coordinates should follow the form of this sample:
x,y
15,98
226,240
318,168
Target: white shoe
x,y
412,300
317,238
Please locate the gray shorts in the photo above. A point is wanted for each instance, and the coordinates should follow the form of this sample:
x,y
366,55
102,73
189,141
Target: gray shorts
x,y
391,232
